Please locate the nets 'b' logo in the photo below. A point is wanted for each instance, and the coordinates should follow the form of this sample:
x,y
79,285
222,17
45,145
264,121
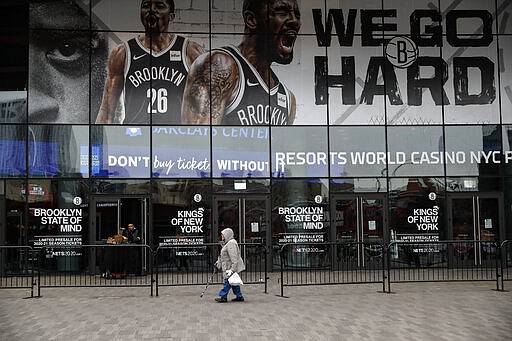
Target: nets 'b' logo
x,y
401,52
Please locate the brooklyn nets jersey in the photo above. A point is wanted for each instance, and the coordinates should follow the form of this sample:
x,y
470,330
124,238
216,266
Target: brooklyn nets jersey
x,y
255,103
154,85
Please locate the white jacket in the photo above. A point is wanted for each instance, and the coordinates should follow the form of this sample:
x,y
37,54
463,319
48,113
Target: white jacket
x,y
230,258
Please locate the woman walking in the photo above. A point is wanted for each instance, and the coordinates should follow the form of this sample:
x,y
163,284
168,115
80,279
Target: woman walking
x,y
230,262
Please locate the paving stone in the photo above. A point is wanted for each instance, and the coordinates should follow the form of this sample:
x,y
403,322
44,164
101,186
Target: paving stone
x,y
419,311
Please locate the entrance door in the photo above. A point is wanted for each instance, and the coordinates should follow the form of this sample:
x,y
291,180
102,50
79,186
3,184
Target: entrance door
x,y
359,221
247,215
112,212
477,217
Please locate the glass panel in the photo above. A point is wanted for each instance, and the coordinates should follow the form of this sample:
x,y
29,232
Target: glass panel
x,y
463,219
507,149
120,151
299,152
13,150
255,218
226,15
241,152
107,219
17,232
181,152
13,104
416,206
174,201
69,15
300,207
357,87
473,87
346,220
473,150
505,43
110,186
373,220
305,78
489,220
469,23
58,151
253,185
357,151
504,23
377,185
402,18
58,214
229,216
59,76
415,151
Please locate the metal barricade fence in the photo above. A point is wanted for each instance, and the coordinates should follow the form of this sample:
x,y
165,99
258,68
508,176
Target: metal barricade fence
x,y
442,261
18,267
186,264
106,265
506,262
329,263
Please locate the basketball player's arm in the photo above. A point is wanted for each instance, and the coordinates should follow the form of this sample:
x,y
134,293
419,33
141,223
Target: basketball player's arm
x,y
293,109
113,85
194,50
211,85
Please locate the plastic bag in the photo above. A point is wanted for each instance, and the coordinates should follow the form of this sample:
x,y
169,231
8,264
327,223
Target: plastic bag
x,y
235,279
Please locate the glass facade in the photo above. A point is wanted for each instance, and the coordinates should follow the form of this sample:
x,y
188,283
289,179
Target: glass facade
x,y
152,111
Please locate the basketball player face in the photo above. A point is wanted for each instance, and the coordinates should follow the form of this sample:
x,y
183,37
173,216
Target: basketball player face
x,y
283,26
155,15
60,64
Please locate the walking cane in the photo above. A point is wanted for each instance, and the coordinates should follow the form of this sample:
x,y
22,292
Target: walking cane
x,y
209,280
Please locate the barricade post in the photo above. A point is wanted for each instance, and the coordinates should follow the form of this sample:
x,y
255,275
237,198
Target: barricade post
x,y
18,264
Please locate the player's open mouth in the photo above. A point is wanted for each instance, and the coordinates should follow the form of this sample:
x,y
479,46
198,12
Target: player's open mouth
x,y
287,40
151,19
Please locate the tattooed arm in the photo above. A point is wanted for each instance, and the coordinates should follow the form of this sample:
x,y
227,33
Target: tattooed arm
x,y
211,86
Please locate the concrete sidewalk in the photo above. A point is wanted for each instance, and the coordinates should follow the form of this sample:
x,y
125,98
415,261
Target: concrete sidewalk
x,y
420,311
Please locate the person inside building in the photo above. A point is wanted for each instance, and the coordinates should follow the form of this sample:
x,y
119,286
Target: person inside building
x,y
229,261
134,252
227,85
149,71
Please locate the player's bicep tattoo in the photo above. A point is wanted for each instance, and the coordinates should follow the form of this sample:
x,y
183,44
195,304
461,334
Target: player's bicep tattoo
x,y
211,87
224,77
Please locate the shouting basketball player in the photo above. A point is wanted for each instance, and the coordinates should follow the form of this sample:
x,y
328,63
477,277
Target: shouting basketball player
x,y
235,85
156,66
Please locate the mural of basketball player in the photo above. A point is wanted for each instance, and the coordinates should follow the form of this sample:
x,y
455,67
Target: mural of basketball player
x,y
235,85
149,88
62,52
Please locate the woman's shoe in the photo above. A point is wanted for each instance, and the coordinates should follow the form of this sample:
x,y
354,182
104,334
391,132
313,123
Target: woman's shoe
x,y
221,299
238,299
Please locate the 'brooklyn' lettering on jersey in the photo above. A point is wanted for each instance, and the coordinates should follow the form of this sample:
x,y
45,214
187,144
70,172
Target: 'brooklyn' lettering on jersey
x,y
164,73
255,104
154,86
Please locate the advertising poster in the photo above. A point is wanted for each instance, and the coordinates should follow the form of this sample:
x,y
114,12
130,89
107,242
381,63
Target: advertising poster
x,y
306,62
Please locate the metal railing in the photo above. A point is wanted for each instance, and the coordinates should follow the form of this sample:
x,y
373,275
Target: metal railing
x,y
180,265
442,261
329,263
106,265
506,262
18,267
301,264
